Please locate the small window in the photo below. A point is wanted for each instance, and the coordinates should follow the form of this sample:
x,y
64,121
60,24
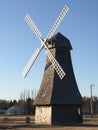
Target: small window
x,y
43,111
79,111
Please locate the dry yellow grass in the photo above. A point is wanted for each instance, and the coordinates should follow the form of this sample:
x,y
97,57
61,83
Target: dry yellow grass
x,y
18,120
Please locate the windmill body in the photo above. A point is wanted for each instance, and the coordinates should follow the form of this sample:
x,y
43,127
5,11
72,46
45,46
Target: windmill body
x,y
58,101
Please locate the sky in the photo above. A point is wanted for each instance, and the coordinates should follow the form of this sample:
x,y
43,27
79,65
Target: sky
x,y
18,42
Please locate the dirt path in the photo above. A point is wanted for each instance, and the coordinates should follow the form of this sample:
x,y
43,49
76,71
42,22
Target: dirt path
x,y
34,127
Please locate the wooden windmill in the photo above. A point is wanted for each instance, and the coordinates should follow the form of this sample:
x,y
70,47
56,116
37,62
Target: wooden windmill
x,y
58,100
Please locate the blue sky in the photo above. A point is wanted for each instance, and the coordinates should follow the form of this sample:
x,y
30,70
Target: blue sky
x,y
18,42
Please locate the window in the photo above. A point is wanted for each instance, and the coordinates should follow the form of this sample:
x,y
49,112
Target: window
x,y
43,111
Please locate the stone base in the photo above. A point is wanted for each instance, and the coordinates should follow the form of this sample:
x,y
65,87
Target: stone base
x,y
58,115
43,115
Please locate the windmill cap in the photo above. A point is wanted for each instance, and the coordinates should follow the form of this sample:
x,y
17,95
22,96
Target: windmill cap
x,y
58,40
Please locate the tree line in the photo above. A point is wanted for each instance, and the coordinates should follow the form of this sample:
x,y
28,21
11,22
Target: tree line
x,y
26,105
87,105
27,99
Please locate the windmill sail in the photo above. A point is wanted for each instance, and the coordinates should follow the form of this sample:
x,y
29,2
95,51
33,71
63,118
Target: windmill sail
x,y
30,22
54,62
58,21
56,65
31,62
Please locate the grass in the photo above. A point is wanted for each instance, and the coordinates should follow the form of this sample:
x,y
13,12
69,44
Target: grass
x,y
19,123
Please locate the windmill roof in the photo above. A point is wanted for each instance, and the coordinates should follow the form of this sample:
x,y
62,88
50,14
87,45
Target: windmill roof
x,y
58,40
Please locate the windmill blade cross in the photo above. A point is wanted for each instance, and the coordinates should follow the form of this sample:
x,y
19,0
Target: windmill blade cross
x,y
54,62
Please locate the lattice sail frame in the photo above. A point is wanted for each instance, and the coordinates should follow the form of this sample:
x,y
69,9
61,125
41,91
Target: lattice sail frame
x,y
54,62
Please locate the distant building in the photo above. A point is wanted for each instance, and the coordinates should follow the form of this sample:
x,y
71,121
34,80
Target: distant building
x,y
14,110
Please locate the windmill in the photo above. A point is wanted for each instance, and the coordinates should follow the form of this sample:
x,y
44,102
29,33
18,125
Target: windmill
x,y
58,100
44,43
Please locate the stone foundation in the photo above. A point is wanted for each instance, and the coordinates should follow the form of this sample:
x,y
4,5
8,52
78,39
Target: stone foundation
x,y
43,115
58,114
